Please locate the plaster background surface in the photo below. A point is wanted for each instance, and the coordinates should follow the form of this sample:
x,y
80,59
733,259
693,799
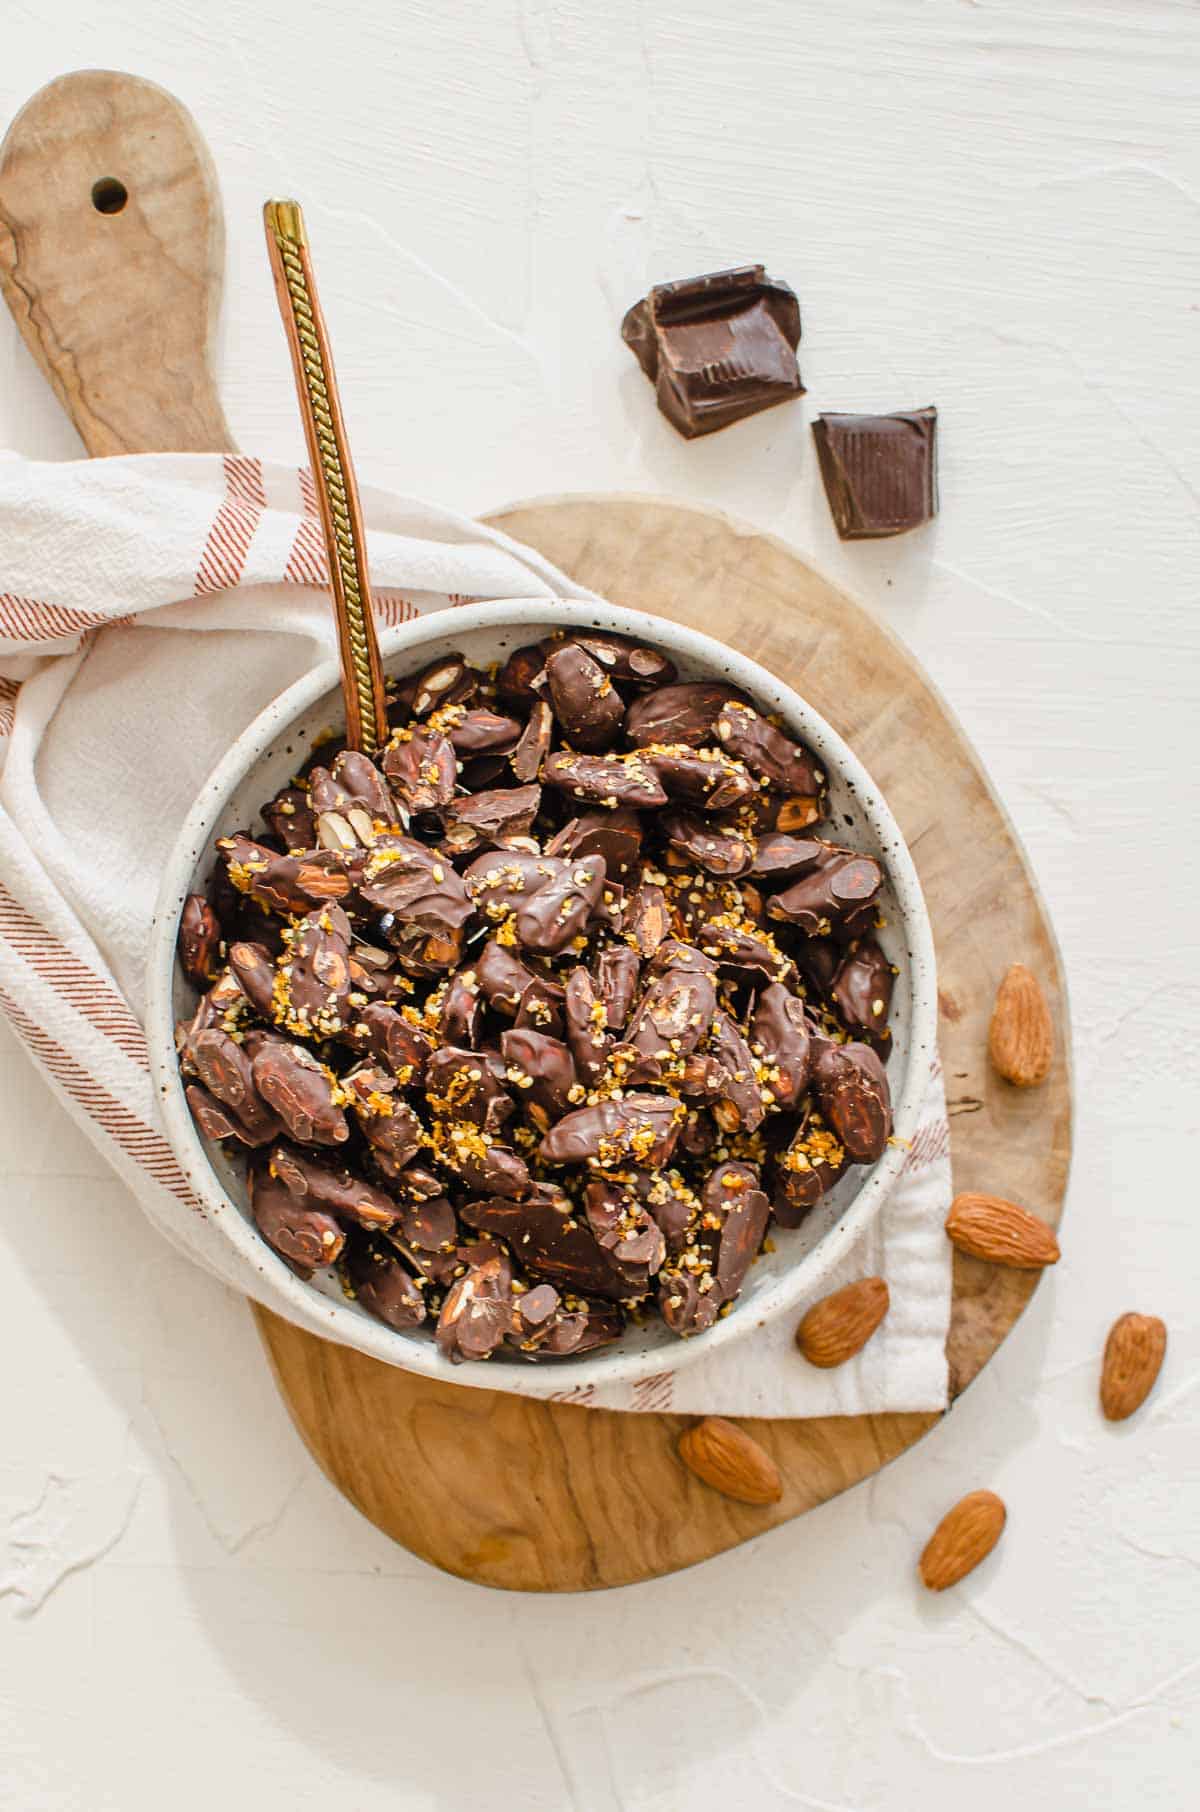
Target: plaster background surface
x,y
987,204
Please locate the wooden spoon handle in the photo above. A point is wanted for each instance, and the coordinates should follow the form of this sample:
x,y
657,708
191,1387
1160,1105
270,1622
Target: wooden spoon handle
x,y
111,257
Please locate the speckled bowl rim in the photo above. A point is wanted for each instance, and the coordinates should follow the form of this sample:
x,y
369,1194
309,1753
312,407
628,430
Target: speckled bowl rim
x,y
339,1320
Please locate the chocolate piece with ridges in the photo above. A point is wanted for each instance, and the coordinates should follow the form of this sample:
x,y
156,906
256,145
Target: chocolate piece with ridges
x,y
388,1123
879,471
544,1073
477,1314
786,766
616,972
587,1022
741,1108
416,885
717,347
733,1200
395,1041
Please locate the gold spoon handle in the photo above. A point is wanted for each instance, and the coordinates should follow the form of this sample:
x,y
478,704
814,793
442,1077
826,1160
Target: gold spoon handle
x,y
333,474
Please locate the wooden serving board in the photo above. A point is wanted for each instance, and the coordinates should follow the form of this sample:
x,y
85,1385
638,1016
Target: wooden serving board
x,y
117,309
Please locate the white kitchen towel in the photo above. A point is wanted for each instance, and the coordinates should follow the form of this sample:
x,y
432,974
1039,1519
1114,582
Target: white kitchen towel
x,y
149,608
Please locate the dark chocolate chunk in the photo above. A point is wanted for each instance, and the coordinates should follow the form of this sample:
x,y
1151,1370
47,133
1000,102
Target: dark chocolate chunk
x,y
861,993
644,1127
502,977
741,1107
422,768
616,978
717,347
284,883
559,910
534,743
608,780
549,1241
416,885
852,1088
541,1070
706,777
633,663
301,1091
781,1038
718,852
837,897
199,938
395,1041
502,818
679,714
389,1125
385,1289
303,1234
483,732
477,1314
290,818
586,703
879,471
587,1021
786,766
338,1190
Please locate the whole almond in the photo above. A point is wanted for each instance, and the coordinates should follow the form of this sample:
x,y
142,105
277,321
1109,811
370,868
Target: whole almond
x,y
1133,1356
1021,1036
988,1227
965,1536
840,1325
725,1457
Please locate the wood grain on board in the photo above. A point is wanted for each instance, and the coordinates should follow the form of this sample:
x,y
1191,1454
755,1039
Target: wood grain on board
x,y
118,309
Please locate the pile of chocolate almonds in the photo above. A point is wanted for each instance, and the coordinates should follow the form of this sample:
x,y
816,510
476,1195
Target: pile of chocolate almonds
x,y
539,1020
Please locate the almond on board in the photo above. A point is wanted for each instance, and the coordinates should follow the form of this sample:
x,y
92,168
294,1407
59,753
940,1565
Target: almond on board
x,y
988,1227
1021,1035
731,1461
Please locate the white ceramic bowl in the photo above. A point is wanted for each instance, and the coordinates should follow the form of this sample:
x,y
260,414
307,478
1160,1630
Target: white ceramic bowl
x,y
264,759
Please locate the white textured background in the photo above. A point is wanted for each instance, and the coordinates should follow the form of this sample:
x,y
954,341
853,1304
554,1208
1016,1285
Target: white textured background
x,y
991,206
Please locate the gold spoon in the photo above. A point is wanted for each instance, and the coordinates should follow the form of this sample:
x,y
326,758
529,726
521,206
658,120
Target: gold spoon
x,y
333,474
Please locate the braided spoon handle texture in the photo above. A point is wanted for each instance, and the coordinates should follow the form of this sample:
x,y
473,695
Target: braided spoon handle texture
x,y
333,473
